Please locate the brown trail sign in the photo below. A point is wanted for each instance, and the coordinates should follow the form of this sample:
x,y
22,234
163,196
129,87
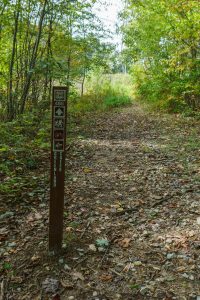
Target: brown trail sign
x,y
58,142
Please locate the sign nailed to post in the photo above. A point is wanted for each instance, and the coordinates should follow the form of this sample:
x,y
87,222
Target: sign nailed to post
x,y
58,142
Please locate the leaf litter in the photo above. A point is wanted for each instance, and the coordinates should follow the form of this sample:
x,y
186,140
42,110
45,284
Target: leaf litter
x,y
131,216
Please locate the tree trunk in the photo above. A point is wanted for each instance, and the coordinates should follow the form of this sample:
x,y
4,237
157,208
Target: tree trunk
x,y
49,54
12,61
83,82
33,60
1,15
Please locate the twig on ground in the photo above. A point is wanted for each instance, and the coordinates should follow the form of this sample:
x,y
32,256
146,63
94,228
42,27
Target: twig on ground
x,y
2,294
161,201
79,262
86,228
115,272
128,210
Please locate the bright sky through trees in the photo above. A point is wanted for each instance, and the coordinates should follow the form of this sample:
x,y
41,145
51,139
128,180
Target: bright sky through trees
x,y
108,13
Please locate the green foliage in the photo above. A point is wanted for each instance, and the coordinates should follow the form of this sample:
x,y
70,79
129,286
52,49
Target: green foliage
x,y
103,92
104,243
6,266
44,43
116,100
135,286
162,39
21,147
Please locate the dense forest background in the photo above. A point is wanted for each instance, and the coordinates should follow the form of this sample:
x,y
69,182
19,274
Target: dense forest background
x,y
163,51
43,43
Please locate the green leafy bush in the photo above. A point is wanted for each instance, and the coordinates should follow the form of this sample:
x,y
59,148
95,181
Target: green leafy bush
x,y
103,91
162,48
118,100
21,142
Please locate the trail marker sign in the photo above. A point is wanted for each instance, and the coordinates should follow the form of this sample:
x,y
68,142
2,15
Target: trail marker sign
x,y
58,142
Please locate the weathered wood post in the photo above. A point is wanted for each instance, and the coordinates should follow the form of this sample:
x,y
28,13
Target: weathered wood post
x,y
58,142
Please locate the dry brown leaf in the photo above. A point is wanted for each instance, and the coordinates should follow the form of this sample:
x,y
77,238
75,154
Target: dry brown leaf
x,y
191,233
30,218
69,229
125,243
35,258
106,277
126,268
78,275
180,269
66,284
17,280
120,209
38,216
3,233
92,247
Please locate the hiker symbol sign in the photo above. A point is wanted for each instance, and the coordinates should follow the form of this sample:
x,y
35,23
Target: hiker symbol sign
x,y
58,141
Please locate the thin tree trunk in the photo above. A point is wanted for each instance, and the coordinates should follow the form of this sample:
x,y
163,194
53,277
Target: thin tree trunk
x,y
49,52
33,60
85,63
12,61
68,71
1,16
83,82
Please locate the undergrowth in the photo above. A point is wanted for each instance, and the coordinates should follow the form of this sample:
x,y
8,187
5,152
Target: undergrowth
x,y
22,144
103,92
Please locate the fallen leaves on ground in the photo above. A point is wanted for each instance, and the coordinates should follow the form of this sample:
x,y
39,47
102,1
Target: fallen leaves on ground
x,y
131,222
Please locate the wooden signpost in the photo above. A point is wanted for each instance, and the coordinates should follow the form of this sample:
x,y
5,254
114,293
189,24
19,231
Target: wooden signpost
x,y
58,142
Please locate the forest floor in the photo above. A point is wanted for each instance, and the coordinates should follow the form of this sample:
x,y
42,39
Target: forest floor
x,y
132,218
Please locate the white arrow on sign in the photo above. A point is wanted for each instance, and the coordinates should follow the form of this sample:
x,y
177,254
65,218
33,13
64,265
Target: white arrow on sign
x,y
59,112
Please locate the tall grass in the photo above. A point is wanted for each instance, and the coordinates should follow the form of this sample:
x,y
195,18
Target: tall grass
x,y
102,92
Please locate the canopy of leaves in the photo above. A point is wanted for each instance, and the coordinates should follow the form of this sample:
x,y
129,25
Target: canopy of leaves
x,y
44,43
163,40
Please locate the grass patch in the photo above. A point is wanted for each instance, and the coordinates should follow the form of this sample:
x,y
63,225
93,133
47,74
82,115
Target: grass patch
x,y
116,101
103,92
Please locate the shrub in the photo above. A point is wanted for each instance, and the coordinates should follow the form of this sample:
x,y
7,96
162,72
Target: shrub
x,y
103,91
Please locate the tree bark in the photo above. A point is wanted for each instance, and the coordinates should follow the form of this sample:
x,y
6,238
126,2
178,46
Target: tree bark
x,y
33,60
49,55
12,61
83,82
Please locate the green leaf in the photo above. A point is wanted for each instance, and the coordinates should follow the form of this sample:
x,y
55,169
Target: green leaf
x,y
102,243
134,286
7,266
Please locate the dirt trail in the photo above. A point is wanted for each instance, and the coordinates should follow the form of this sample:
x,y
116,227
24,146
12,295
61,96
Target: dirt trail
x,y
129,187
